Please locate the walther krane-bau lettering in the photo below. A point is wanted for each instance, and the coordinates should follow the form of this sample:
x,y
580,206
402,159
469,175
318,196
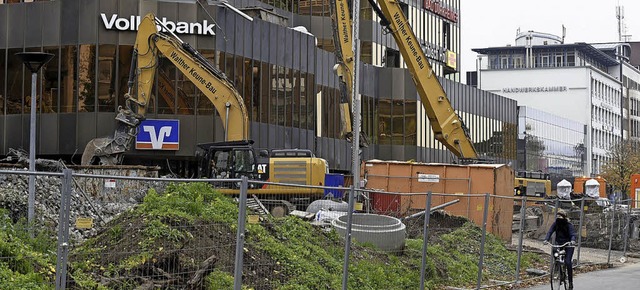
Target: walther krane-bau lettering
x,y
447,126
233,158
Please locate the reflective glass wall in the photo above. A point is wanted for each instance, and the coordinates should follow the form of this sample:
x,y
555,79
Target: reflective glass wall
x,y
550,143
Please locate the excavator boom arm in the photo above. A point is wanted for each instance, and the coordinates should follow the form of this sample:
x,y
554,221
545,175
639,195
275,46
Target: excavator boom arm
x,y
342,39
208,79
341,24
445,122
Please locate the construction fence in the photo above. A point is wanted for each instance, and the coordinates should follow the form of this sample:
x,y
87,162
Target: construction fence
x,y
148,232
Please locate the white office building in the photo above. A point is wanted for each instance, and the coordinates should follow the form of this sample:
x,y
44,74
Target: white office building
x,y
580,82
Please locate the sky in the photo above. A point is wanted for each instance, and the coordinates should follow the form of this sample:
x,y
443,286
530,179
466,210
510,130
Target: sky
x,y
493,23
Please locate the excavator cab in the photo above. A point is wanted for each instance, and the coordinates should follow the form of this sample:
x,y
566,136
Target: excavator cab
x,y
228,160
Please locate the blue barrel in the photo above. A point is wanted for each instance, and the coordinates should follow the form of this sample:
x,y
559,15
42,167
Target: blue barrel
x,y
333,180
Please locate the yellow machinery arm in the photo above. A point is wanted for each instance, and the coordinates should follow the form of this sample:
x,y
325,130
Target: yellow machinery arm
x,y
445,123
341,22
208,79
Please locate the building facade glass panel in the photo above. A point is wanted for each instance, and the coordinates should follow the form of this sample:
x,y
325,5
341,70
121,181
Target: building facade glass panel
x,y
551,144
288,85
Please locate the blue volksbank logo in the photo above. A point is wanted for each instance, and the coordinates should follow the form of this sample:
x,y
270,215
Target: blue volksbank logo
x,y
158,135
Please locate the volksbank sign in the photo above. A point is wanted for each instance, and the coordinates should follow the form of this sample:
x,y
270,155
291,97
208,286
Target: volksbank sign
x,y
114,22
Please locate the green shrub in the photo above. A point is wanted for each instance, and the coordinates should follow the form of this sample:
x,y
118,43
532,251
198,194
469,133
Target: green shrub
x,y
27,262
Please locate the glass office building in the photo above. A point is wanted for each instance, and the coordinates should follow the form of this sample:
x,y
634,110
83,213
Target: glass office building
x,y
550,143
285,76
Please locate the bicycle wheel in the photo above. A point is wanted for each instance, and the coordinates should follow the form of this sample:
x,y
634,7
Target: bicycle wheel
x,y
558,277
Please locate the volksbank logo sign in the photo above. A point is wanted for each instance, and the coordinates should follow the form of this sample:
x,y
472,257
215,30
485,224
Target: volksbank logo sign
x,y
114,22
158,135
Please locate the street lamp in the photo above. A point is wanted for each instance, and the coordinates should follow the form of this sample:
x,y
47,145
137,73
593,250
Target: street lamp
x,y
33,61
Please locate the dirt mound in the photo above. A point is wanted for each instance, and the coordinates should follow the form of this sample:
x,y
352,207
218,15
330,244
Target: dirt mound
x,y
179,256
440,223
186,238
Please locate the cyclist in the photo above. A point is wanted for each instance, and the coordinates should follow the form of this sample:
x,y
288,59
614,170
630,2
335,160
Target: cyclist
x,y
564,233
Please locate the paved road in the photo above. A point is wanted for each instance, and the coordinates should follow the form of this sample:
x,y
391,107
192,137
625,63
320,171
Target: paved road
x,y
587,255
622,277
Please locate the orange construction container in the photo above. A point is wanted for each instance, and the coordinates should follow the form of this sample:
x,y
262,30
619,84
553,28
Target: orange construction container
x,y
578,185
634,192
403,178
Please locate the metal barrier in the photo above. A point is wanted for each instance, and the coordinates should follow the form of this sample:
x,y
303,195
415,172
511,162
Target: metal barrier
x,y
133,231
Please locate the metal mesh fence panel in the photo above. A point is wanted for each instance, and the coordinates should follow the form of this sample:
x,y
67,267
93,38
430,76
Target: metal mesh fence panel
x,y
152,233
184,234
295,234
602,224
28,250
143,231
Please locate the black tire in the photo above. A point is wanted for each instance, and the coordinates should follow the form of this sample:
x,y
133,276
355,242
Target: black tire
x,y
558,277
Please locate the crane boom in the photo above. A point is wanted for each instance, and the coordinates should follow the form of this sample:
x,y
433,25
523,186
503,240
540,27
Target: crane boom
x,y
208,79
445,122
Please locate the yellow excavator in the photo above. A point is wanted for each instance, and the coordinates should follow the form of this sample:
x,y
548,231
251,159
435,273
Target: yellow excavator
x,y
232,158
447,126
208,79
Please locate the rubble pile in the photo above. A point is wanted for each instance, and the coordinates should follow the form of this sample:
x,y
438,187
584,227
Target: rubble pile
x,y
89,199
615,224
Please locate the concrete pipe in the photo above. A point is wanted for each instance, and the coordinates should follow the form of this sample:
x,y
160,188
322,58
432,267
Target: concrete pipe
x,y
385,232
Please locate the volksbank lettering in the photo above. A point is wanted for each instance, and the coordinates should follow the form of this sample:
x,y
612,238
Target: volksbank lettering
x,y
131,23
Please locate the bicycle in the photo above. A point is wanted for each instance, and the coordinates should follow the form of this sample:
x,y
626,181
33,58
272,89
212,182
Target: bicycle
x,y
559,275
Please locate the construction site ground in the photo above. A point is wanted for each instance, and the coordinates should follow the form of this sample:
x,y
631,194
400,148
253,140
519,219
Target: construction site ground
x,y
591,259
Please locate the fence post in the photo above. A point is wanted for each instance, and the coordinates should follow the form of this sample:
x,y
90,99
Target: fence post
x,y
484,234
580,229
523,215
63,230
555,216
425,237
613,215
347,240
242,216
627,227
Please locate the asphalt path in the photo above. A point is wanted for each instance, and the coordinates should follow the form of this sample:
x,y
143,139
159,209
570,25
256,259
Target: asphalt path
x,y
621,277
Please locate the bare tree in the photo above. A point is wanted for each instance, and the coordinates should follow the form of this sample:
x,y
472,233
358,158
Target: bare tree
x,y
623,160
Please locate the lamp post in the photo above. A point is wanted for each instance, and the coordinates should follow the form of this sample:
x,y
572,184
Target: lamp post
x,y
33,61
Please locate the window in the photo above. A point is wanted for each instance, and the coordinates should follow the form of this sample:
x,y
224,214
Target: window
x,y
106,78
243,161
446,35
15,77
571,59
86,78
517,62
544,60
559,61
68,61
504,62
166,85
50,82
405,9
392,58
